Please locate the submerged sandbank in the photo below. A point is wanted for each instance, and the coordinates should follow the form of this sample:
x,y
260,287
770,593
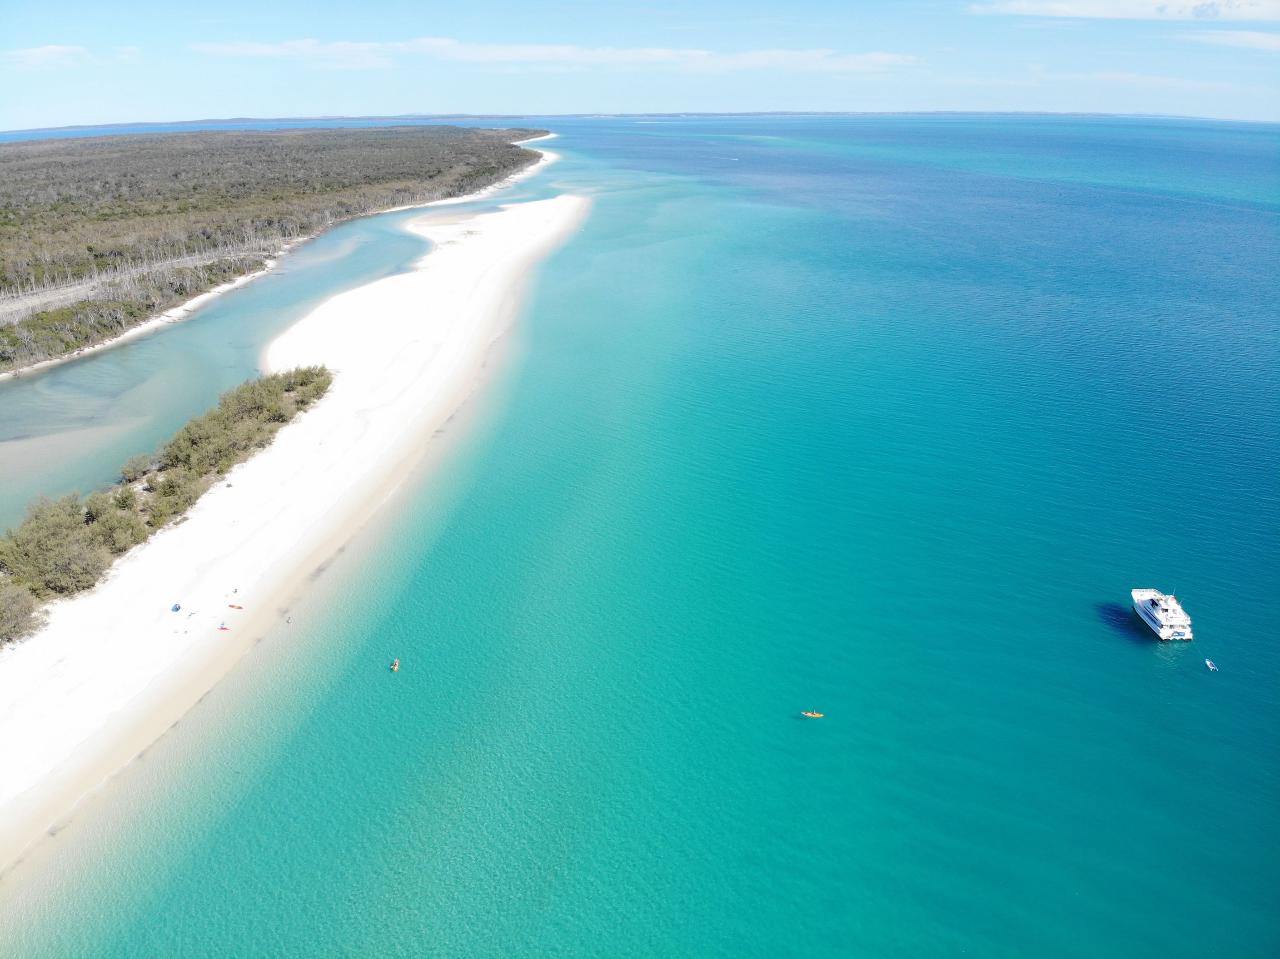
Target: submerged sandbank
x,y
116,667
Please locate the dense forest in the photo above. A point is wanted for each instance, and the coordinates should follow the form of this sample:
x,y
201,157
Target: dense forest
x,y
98,234
63,546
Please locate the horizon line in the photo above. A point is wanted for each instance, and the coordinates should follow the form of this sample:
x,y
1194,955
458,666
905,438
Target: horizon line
x,y
660,113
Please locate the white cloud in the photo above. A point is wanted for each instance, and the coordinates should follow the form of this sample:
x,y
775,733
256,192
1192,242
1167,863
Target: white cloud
x,y
338,54
1250,39
56,56
1137,9
49,57
363,55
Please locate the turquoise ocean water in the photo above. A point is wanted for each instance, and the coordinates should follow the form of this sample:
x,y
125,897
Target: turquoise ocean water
x,y
881,416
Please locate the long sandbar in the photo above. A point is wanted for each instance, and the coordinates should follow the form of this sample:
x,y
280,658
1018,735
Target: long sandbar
x,y
114,668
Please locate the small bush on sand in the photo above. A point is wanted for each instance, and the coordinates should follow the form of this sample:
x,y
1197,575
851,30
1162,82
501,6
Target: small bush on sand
x,y
118,529
136,467
17,611
52,552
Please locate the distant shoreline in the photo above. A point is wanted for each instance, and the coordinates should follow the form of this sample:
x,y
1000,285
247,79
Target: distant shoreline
x,y
417,118
115,668
186,309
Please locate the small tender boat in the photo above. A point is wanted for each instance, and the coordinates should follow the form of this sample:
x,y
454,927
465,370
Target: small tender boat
x,y
223,627
395,665
234,606
1213,667
810,714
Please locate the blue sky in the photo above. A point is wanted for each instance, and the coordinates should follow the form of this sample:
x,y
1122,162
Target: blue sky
x,y
74,61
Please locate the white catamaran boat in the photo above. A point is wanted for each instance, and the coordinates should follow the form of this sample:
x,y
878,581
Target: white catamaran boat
x,y
1162,613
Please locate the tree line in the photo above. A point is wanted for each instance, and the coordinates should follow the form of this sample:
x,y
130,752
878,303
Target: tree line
x,y
132,225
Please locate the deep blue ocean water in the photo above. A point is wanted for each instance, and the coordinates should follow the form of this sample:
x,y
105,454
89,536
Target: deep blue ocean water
x,y
881,416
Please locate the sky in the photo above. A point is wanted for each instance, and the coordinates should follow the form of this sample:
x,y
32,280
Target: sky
x,y
80,62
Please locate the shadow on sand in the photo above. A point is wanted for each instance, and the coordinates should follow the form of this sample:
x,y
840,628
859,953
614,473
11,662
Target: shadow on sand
x,y
1123,620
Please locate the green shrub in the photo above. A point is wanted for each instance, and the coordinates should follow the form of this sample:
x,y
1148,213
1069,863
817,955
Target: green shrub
x,y
176,491
52,552
17,611
136,467
97,506
116,527
160,513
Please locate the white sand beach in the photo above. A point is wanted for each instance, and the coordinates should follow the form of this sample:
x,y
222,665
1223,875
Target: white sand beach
x,y
114,668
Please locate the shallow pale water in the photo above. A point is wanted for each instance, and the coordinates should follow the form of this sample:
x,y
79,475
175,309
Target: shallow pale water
x,y
878,416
